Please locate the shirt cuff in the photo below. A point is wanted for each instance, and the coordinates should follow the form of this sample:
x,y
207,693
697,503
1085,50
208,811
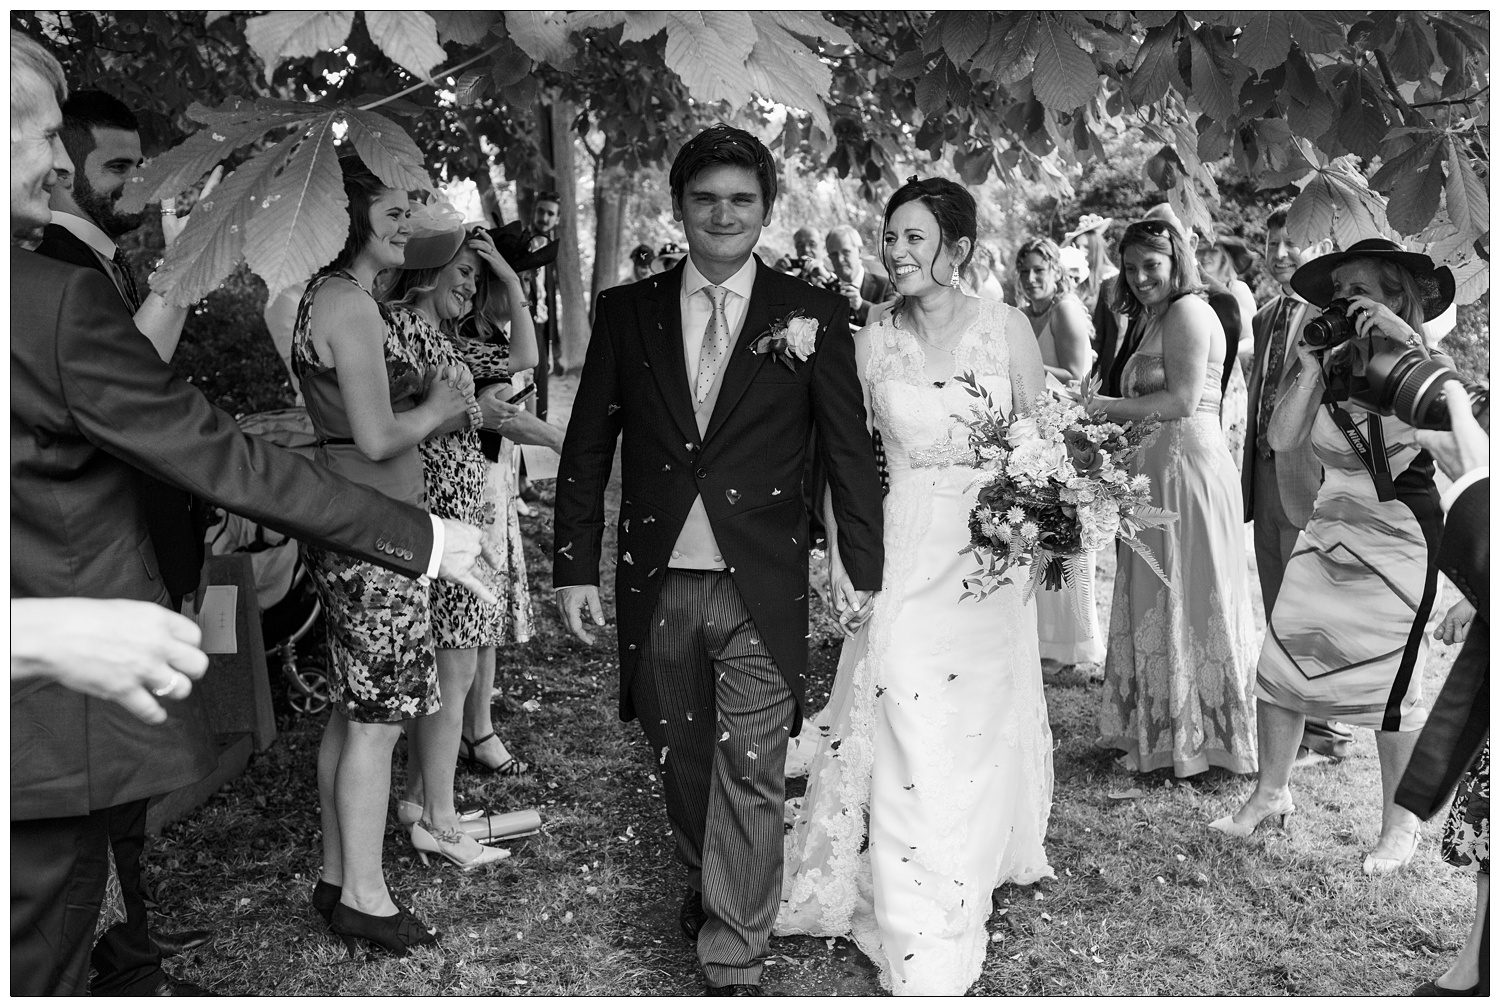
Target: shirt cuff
x,y
1463,482
439,539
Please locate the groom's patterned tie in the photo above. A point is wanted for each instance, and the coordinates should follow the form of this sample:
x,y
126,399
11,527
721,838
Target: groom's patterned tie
x,y
715,342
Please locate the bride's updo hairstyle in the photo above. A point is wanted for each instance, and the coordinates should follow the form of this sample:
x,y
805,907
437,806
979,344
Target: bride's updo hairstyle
x,y
955,210
362,188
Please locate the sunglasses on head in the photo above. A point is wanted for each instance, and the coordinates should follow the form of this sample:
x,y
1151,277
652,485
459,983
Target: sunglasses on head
x,y
1151,226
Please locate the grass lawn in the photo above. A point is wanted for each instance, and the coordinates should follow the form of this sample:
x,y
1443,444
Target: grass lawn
x,y
1146,899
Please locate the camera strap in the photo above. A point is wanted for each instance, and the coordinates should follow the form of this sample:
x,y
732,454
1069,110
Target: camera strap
x,y
1371,453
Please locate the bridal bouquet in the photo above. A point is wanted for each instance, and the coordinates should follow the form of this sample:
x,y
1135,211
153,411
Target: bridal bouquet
x,y
1057,489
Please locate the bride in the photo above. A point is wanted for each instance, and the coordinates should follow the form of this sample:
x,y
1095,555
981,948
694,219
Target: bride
x,y
937,749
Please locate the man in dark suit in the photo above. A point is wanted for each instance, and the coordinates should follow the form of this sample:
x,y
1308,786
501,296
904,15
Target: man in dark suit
x,y
858,281
102,138
92,403
711,586
1458,727
542,289
1281,486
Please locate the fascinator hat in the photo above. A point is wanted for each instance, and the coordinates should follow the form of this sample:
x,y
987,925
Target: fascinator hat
x,y
437,233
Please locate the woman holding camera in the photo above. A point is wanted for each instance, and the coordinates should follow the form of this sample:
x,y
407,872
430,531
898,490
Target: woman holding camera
x,y
1177,671
446,271
1346,640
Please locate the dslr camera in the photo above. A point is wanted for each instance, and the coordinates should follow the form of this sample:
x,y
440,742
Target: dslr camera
x,y
1399,380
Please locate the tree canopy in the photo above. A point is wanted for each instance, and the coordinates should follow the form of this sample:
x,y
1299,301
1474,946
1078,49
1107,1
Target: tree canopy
x,y
1381,118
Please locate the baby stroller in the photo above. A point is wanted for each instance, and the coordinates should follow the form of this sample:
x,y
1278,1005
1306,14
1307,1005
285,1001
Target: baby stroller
x,y
289,606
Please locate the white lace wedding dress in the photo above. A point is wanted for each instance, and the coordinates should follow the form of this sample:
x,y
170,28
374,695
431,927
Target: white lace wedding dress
x,y
937,747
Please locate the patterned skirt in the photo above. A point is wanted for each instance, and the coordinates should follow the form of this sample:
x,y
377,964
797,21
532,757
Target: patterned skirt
x,y
1466,833
379,639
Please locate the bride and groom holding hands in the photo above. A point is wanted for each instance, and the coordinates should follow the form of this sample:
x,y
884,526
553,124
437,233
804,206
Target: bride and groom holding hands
x,y
932,784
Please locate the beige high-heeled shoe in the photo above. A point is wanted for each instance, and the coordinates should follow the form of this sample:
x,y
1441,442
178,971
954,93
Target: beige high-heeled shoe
x,y
1230,827
454,845
1377,867
487,828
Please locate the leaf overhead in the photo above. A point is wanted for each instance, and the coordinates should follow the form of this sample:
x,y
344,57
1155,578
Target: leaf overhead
x,y
542,35
214,239
782,69
1336,204
387,150
466,27
1414,198
708,50
1063,76
300,223
173,171
285,34
811,25
408,37
1264,40
1468,200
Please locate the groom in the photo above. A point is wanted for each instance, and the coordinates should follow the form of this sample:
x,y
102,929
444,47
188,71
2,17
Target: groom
x,y
711,583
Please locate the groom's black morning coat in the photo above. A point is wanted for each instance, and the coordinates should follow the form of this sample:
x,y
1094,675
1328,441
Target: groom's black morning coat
x,y
748,466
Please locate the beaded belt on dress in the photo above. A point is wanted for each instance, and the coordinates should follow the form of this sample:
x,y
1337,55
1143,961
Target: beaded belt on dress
x,y
943,455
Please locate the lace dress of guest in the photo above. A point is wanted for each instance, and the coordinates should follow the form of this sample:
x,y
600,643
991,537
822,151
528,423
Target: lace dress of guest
x,y
1178,676
938,747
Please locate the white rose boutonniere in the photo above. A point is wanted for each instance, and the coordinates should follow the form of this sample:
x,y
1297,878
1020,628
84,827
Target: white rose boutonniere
x,y
789,340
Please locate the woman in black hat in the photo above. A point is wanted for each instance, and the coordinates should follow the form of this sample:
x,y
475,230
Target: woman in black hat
x,y
1347,639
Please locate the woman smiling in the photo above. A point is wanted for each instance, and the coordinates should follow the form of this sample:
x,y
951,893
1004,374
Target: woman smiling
x,y
1177,676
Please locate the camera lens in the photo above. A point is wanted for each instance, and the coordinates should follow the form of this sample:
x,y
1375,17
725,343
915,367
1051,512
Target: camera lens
x,y
1410,386
1330,328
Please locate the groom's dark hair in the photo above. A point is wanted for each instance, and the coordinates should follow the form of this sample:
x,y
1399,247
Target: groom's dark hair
x,y
722,143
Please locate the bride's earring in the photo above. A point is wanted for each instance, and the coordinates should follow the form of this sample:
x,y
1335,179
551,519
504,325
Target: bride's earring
x,y
953,280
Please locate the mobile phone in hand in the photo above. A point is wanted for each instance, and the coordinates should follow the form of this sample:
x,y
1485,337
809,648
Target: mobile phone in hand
x,y
522,395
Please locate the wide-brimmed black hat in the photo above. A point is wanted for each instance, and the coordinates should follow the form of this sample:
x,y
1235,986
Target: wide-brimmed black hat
x,y
1314,281
511,241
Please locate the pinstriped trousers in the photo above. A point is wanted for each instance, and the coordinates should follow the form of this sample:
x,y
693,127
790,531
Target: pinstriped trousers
x,y
718,714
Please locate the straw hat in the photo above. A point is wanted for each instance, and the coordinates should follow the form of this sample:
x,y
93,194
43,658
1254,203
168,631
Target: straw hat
x,y
1088,222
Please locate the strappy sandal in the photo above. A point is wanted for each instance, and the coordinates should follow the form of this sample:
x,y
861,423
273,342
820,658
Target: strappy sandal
x,y
468,754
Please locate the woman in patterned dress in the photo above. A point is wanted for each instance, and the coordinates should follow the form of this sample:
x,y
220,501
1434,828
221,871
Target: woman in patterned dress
x,y
362,377
445,268
1177,677
1346,640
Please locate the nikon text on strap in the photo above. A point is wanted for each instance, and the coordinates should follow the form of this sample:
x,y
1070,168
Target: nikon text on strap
x,y
1371,453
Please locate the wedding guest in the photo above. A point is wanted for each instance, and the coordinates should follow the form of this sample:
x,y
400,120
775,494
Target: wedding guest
x,y
1075,267
361,370
1062,333
1347,636
541,285
1457,731
640,262
85,383
444,269
1057,316
1280,486
860,281
1177,673
984,273
1089,237
671,253
1221,261
102,138
806,262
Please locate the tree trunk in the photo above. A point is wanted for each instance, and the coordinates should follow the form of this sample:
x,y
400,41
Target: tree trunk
x,y
611,193
573,301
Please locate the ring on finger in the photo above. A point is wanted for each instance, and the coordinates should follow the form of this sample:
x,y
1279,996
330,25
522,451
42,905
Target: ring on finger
x,y
169,688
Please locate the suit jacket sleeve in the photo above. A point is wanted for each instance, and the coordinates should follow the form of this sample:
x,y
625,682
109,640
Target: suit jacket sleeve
x,y
1464,554
848,453
587,456
129,403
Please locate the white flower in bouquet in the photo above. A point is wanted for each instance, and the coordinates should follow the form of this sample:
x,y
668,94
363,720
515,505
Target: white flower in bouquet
x,y
1036,462
1015,515
1029,531
989,452
1140,483
1100,521
1022,430
1117,477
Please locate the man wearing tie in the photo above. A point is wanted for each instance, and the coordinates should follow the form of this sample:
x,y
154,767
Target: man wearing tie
x,y
1280,486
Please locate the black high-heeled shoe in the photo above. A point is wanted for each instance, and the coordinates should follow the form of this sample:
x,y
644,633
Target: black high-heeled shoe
x,y
325,895
396,934
469,755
